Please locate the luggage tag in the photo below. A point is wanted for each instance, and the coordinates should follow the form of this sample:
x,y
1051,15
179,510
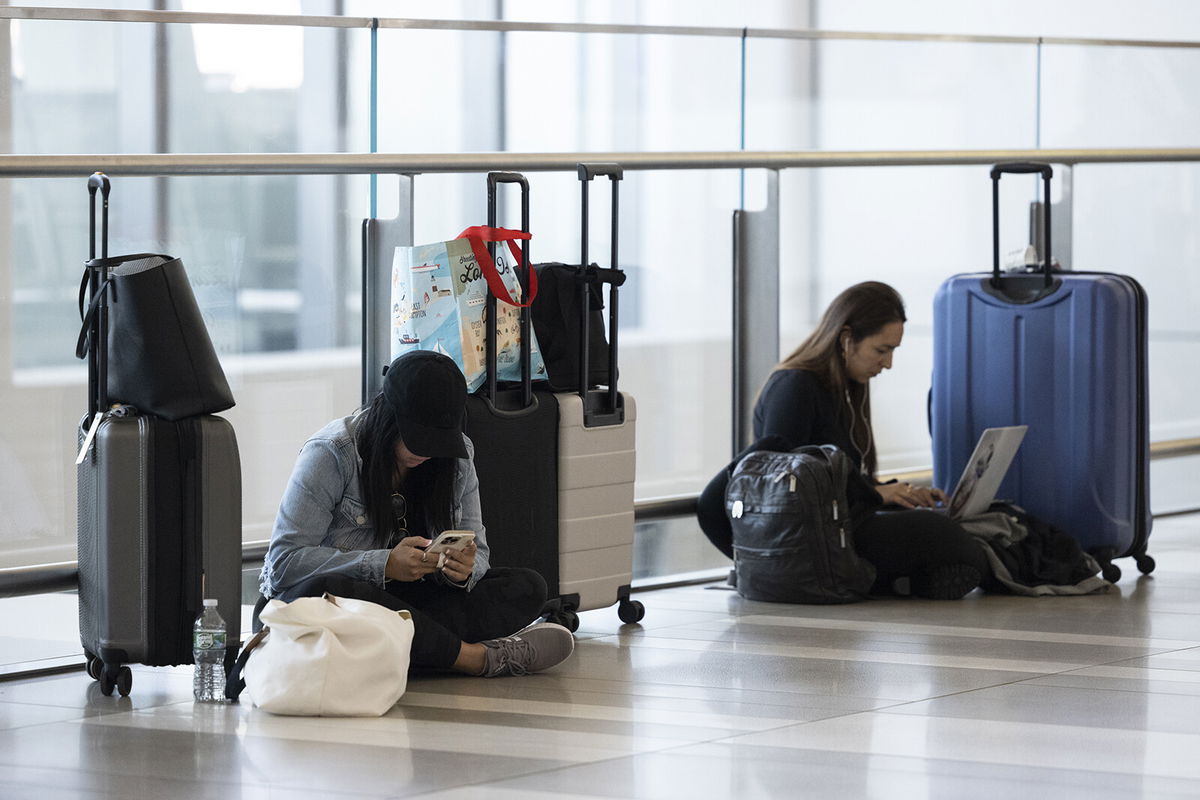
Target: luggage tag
x,y
87,440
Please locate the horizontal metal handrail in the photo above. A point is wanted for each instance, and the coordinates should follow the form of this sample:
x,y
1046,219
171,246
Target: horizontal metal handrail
x,y
1174,448
64,576
512,26
172,164
1170,448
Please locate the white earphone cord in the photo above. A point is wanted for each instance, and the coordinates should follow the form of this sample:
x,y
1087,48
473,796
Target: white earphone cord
x,y
862,454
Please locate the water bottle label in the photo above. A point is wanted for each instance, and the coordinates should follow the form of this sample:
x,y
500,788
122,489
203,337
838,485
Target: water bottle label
x,y
207,640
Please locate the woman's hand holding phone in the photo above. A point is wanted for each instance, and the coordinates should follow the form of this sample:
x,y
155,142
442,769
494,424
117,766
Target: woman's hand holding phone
x,y
452,553
409,561
459,561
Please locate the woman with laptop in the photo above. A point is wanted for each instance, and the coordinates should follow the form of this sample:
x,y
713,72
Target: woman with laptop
x,y
820,395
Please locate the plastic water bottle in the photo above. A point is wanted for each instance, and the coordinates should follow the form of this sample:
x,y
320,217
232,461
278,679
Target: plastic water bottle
x,y
208,653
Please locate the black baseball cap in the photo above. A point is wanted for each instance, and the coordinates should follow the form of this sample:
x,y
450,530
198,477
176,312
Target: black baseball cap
x,y
428,392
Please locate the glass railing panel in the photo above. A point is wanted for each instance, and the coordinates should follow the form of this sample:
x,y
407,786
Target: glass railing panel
x,y
1097,97
880,95
278,284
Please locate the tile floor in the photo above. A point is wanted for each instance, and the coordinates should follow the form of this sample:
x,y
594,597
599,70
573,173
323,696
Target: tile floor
x,y
710,697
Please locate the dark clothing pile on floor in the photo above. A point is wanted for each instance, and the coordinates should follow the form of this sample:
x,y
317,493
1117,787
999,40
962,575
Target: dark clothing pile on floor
x,y
1029,556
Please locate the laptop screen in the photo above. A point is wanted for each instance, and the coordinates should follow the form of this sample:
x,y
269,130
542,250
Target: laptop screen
x,y
985,470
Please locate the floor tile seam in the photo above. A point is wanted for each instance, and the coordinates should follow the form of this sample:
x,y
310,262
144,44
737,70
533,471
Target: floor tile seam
x,y
733,739
1115,689
848,655
1138,651
1119,661
964,632
770,692
883,709
76,720
762,710
1116,663
544,771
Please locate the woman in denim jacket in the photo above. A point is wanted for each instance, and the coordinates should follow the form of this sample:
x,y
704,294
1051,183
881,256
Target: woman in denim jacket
x,y
370,491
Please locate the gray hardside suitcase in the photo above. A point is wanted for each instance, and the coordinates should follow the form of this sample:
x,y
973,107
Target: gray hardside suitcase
x,y
159,529
159,524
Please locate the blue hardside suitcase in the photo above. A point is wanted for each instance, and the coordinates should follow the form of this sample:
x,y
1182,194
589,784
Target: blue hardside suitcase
x,y
1064,353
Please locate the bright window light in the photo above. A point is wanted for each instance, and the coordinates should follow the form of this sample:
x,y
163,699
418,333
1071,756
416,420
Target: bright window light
x,y
18,56
243,57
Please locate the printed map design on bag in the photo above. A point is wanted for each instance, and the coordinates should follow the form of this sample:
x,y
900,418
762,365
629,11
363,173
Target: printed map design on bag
x,y
425,312
439,303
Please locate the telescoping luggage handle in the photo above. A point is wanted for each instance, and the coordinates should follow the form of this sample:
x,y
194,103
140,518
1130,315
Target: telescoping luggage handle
x,y
92,284
611,412
1021,168
524,271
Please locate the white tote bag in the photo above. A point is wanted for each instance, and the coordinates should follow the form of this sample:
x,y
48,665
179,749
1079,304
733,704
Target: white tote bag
x,y
326,656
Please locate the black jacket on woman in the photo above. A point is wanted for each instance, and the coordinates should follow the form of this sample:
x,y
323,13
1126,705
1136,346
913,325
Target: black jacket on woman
x,y
795,407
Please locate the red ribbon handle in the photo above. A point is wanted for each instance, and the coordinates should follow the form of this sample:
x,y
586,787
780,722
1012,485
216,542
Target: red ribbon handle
x,y
477,235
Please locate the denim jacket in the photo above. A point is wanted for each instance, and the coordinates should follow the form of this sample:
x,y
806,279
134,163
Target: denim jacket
x,y
322,525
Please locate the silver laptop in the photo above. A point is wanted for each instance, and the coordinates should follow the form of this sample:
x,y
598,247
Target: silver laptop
x,y
984,472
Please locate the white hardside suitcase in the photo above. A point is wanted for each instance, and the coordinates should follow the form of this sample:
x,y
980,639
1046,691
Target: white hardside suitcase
x,y
595,509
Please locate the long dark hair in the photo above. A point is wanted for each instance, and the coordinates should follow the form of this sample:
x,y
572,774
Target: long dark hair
x,y
428,489
862,310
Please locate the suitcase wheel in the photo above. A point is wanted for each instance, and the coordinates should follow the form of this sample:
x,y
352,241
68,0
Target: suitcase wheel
x,y
1110,572
567,618
115,676
631,611
94,667
124,681
1145,563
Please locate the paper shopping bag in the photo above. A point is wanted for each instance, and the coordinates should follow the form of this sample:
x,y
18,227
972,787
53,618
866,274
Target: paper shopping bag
x,y
439,301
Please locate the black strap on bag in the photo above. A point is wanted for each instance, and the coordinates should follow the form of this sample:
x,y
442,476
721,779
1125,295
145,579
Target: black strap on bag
x,y
167,365
235,681
88,310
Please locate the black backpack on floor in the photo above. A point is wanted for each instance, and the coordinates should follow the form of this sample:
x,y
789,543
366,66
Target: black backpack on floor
x,y
791,528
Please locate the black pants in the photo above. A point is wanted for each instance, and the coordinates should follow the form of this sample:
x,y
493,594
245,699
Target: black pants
x,y
502,602
906,544
899,544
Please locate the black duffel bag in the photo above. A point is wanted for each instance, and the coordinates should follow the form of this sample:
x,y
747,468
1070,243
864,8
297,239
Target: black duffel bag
x,y
160,358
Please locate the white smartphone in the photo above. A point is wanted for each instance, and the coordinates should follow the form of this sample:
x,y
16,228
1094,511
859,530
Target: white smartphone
x,y
450,540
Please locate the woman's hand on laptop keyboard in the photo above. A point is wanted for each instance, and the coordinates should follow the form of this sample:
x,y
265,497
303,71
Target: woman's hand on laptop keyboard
x,y
906,495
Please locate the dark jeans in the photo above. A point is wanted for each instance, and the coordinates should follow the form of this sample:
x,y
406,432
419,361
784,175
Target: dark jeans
x,y
899,544
906,544
502,602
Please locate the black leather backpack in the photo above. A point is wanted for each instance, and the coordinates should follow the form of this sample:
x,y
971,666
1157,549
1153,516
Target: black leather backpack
x,y
791,528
